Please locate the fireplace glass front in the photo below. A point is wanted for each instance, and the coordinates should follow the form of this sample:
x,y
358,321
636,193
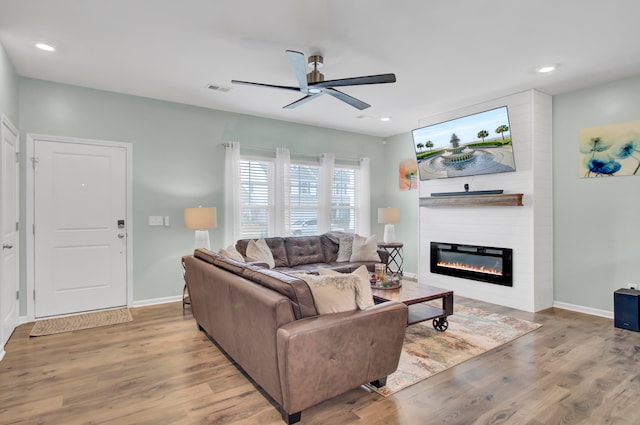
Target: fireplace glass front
x,y
486,264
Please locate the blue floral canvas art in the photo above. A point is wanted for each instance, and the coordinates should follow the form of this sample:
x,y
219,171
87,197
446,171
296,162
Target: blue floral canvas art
x,y
610,150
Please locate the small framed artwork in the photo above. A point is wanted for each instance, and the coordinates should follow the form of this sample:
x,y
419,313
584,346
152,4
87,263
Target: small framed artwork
x,y
408,174
610,150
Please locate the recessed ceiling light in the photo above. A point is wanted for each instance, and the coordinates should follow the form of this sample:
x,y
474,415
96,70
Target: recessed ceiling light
x,y
385,119
45,47
546,68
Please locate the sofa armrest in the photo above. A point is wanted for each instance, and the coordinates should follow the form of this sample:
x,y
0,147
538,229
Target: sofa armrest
x,y
384,256
257,263
326,355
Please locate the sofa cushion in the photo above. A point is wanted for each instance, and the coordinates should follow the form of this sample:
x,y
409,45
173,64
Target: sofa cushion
x,y
345,243
231,252
290,286
259,251
330,246
226,263
365,249
364,296
333,293
275,244
304,250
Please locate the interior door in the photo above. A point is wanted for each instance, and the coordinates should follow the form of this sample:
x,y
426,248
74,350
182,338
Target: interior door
x,y
80,230
9,282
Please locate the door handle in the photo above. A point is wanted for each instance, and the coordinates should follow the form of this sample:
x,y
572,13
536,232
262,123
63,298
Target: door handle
x,y
7,246
120,235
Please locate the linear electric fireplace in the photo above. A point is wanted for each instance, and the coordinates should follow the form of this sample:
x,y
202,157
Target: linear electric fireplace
x,y
483,263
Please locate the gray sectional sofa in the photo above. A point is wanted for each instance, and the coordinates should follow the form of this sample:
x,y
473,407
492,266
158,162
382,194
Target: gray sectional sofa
x,y
307,253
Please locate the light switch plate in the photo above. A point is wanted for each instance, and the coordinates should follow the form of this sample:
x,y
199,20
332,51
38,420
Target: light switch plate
x,y
155,220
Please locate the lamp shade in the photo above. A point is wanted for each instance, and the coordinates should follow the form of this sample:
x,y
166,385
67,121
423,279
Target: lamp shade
x,y
388,215
200,218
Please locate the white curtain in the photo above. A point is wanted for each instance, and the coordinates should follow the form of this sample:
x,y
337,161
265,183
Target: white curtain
x,y
232,228
325,180
282,192
363,202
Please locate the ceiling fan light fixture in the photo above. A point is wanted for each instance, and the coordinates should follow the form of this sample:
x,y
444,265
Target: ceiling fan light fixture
x,y
314,91
385,119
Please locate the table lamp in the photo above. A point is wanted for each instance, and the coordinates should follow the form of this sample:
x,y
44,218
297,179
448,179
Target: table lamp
x,y
200,219
388,216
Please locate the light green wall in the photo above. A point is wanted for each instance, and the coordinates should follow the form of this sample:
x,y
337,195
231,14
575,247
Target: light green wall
x,y
399,148
8,88
596,221
177,161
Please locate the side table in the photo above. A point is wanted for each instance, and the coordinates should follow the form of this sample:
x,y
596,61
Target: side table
x,y
186,299
396,260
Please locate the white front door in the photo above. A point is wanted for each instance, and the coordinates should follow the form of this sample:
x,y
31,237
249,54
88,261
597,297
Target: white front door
x,y
80,258
9,282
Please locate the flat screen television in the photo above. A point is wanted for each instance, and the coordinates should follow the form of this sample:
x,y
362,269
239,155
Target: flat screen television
x,y
466,146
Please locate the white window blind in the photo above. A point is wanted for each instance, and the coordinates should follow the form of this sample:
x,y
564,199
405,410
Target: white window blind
x,y
256,194
303,199
343,200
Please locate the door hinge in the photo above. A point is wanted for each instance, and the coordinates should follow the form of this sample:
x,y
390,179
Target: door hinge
x,y
17,295
18,157
33,229
34,294
34,161
17,226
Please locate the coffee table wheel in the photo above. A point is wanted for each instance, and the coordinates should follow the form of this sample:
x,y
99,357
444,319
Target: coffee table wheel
x,y
440,324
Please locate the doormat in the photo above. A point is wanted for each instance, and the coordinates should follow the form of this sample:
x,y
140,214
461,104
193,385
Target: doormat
x,y
471,332
81,321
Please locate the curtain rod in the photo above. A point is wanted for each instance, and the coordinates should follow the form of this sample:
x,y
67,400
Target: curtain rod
x,y
297,155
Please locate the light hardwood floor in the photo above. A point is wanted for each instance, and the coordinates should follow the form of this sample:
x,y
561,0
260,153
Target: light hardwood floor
x,y
159,369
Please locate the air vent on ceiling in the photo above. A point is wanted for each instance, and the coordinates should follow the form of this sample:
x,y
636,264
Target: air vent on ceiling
x,y
218,88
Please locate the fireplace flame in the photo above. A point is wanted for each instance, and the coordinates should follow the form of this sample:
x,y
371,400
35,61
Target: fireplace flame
x,y
467,267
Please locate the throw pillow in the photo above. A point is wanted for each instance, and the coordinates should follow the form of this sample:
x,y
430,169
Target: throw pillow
x,y
365,249
364,297
345,243
332,294
231,252
260,251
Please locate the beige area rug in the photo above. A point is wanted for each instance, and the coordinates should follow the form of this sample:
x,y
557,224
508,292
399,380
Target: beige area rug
x,y
471,332
81,321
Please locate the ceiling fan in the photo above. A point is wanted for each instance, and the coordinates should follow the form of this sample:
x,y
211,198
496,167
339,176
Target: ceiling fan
x,y
313,85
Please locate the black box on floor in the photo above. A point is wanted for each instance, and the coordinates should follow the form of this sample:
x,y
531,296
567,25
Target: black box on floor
x,y
626,309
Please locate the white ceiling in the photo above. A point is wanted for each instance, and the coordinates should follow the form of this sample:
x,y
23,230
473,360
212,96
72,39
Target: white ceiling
x,y
445,54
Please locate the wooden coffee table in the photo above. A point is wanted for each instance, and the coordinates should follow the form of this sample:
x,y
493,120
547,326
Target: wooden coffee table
x,y
414,294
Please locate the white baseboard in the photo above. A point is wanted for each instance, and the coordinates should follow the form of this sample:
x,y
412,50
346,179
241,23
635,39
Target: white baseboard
x,y
582,309
2,353
154,301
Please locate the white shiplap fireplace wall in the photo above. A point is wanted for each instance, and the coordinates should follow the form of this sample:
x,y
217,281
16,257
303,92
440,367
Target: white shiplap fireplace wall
x,y
528,229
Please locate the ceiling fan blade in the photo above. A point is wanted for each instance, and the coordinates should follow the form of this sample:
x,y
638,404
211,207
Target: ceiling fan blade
x,y
358,81
296,59
356,103
301,101
249,83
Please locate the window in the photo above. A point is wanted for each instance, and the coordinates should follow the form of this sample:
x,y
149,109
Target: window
x,y
257,198
343,200
303,199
